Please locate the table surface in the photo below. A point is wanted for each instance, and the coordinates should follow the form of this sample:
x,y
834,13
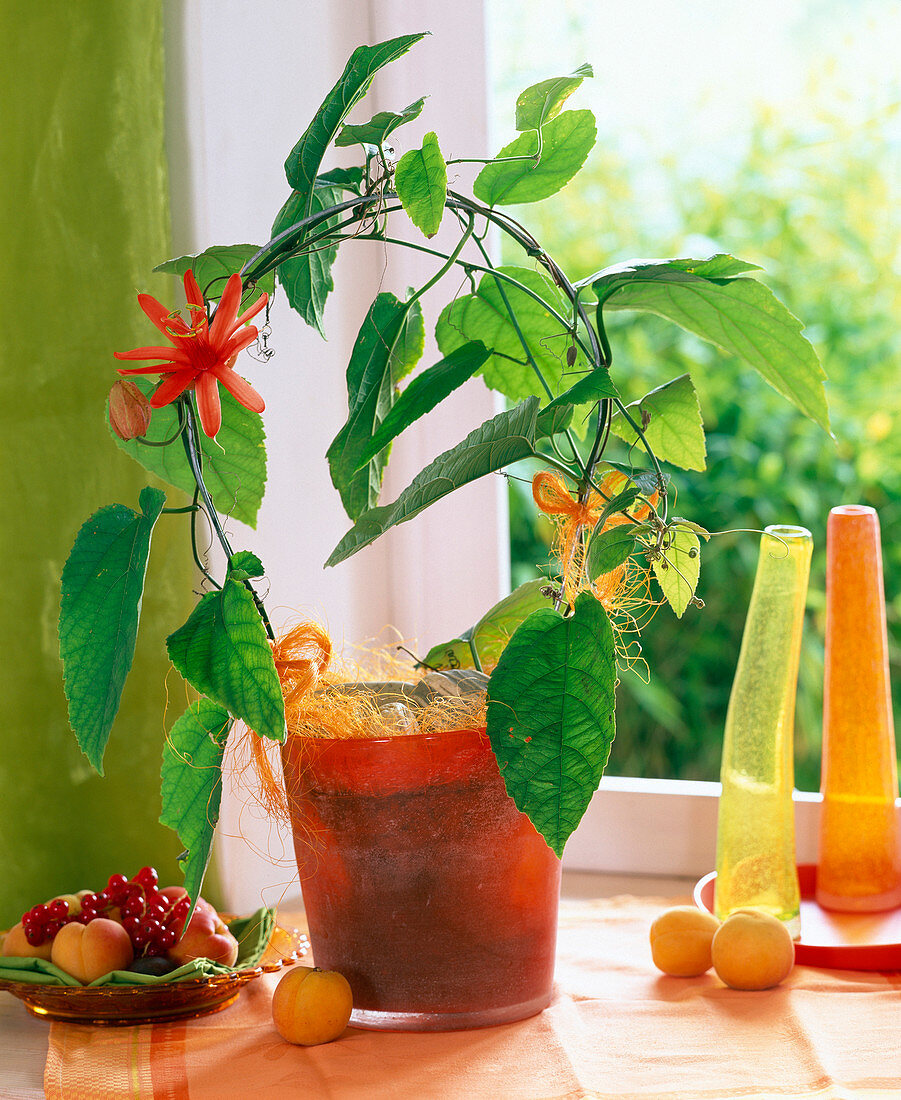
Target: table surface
x,y
616,1029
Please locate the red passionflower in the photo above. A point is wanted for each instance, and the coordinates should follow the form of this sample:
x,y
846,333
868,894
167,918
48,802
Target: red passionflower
x,y
203,354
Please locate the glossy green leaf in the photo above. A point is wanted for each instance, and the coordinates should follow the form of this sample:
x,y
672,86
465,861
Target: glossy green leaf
x,y
505,438
102,587
305,158
592,388
484,316
234,463
678,569
307,278
670,418
609,549
424,393
619,503
420,180
492,632
380,355
213,266
192,784
379,126
223,651
347,179
541,102
740,316
551,715
566,142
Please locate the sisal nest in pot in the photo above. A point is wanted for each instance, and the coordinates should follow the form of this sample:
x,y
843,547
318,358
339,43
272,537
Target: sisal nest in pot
x,y
373,696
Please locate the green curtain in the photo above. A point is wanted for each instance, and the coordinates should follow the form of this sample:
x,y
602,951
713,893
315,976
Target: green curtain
x,y
85,217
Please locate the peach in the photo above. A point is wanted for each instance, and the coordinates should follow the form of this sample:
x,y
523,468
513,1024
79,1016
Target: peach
x,y
681,939
752,949
311,1006
17,945
206,937
88,951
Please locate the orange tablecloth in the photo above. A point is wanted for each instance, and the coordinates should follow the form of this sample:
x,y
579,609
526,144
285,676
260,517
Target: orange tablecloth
x,y
616,1028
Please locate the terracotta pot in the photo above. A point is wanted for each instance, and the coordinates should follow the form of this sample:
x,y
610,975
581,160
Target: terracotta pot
x,y
422,882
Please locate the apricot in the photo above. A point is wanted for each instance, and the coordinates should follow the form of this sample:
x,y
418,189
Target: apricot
x,y
88,951
17,945
311,1006
752,950
206,936
681,939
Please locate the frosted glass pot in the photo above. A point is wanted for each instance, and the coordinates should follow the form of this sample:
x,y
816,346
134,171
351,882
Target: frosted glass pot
x,y
860,855
422,882
755,861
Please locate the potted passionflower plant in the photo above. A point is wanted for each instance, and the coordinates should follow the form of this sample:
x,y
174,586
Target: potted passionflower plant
x,y
430,818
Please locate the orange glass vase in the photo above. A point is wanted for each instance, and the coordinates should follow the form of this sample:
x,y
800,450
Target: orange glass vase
x,y
859,864
422,882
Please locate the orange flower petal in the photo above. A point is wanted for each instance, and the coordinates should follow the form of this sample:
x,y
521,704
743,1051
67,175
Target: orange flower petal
x,y
195,302
174,355
224,321
207,390
240,389
173,387
169,323
239,342
261,303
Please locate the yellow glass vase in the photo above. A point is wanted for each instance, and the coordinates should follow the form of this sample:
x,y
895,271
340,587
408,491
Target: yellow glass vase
x,y
859,865
755,861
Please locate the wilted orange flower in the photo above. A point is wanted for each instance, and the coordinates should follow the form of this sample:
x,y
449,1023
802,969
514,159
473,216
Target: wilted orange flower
x,y
129,410
203,354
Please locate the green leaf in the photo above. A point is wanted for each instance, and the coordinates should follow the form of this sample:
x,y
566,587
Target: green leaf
x,y
609,549
670,418
551,715
234,463
381,354
680,521
484,316
304,159
192,784
348,179
422,395
505,438
379,126
492,632
678,569
420,180
409,345
740,316
565,143
244,565
213,266
102,587
307,278
542,102
645,480
593,387
223,651
619,503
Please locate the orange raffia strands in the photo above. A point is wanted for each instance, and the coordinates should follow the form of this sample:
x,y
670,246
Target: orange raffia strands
x,y
570,516
202,354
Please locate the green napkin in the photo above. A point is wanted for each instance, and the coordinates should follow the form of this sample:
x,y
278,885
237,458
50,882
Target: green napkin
x,y
252,933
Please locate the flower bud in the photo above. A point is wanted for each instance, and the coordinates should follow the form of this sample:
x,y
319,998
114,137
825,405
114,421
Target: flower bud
x,y
129,410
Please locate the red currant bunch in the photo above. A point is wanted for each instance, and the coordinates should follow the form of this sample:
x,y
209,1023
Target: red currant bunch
x,y
42,922
152,920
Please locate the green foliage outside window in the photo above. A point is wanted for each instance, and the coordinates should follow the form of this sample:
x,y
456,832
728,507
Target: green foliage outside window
x,y
815,205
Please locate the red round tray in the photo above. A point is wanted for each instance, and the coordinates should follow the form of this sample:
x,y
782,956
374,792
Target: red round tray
x,y
839,941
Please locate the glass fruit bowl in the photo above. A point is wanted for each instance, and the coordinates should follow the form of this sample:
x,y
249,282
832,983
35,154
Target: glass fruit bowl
x,y
121,1004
